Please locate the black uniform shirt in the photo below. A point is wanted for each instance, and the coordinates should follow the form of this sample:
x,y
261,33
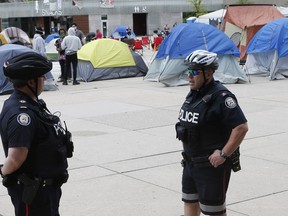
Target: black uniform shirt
x,y
18,124
209,115
22,126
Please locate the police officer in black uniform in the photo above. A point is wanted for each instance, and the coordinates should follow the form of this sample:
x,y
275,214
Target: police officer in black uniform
x,y
35,143
211,127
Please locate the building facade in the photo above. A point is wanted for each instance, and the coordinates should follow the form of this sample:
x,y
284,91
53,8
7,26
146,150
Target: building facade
x,y
142,16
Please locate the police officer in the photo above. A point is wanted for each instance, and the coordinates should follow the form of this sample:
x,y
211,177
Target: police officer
x,y
36,145
211,127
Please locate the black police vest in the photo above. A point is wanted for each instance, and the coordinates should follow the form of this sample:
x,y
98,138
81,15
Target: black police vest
x,y
47,157
204,131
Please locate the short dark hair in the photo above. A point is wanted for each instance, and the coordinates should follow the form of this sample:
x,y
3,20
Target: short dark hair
x,y
18,83
62,29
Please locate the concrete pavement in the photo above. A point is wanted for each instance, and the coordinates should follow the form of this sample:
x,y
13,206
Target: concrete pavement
x,y
127,160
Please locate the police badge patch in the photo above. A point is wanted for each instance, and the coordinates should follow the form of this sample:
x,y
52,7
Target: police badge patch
x,y
23,119
230,102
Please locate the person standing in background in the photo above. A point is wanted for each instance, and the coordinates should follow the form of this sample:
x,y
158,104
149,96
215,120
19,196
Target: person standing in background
x,y
38,42
61,54
71,44
98,34
79,33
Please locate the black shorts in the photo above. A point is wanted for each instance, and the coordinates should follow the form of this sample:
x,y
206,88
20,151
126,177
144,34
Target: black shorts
x,y
208,186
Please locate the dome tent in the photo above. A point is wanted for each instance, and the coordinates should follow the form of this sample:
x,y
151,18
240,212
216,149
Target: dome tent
x,y
7,51
108,59
51,51
268,51
120,32
51,37
14,35
246,20
168,67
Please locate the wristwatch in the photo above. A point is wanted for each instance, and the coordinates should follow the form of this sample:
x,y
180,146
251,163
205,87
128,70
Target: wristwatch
x,y
223,155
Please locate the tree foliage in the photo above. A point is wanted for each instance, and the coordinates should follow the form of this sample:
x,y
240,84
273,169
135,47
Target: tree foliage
x,y
197,7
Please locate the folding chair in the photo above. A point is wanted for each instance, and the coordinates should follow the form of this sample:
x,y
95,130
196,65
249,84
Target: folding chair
x,y
157,42
138,46
146,41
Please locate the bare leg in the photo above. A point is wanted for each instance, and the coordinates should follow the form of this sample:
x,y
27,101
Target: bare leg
x,y
191,209
223,214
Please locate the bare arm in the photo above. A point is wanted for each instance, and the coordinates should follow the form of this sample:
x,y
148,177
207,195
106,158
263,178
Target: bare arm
x,y
15,158
235,139
237,135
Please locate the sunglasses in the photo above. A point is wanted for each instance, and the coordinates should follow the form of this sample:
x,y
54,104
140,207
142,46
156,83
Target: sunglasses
x,y
193,72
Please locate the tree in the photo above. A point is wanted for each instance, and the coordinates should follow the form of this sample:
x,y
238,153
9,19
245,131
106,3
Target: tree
x,y
198,8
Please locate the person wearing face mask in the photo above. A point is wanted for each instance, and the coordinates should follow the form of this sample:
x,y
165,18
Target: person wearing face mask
x,y
79,33
61,55
211,126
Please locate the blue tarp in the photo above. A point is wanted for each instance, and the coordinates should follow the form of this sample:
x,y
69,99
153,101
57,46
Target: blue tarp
x,y
186,38
272,36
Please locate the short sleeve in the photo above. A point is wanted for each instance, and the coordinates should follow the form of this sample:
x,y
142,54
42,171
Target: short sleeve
x,y
21,129
232,114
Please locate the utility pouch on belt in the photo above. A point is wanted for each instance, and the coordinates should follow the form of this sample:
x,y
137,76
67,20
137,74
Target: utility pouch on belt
x,y
68,142
197,162
31,187
9,180
201,162
181,132
235,160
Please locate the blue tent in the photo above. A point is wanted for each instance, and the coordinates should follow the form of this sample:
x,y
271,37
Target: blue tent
x,y
120,32
51,37
8,51
272,36
186,38
268,50
168,67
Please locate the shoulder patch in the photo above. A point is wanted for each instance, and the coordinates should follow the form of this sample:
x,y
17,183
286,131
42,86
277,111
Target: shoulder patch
x,y
23,119
230,103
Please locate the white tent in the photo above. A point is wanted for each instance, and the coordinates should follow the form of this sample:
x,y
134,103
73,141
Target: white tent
x,y
283,10
51,51
216,15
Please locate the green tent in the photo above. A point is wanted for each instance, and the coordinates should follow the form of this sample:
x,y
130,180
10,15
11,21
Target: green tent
x,y
108,59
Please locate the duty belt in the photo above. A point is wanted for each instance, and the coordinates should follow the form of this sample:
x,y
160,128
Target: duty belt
x,y
198,162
